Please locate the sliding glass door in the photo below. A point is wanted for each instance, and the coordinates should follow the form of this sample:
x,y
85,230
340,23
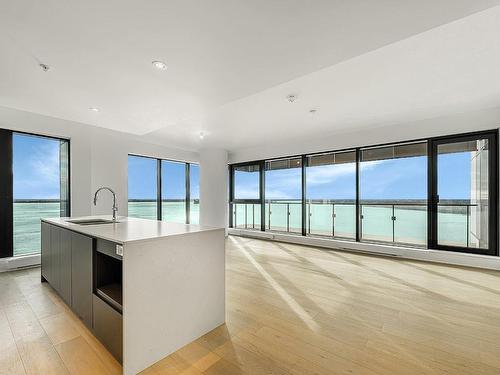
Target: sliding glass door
x,y
464,194
331,194
283,193
34,179
439,193
393,193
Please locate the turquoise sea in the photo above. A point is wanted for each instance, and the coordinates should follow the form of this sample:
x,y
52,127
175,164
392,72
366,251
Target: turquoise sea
x,y
409,226
27,217
395,223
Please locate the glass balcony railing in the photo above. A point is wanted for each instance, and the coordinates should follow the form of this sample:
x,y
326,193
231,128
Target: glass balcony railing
x,y
332,219
246,216
404,223
396,222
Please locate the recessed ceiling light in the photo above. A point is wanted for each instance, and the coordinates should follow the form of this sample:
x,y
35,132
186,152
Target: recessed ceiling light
x,y
160,65
93,109
202,135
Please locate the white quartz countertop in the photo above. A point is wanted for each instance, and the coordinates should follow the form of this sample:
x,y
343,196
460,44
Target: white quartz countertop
x,y
129,229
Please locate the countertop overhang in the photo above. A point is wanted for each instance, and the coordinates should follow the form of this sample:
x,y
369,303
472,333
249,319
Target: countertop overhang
x,y
128,229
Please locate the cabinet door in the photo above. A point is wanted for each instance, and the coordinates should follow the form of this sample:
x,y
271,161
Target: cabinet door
x,y
46,257
65,265
55,258
81,277
108,327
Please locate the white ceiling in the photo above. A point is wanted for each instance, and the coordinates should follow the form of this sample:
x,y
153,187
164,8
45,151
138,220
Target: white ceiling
x,y
232,63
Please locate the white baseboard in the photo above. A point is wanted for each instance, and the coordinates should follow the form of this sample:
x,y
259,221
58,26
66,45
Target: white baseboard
x,y
13,263
437,256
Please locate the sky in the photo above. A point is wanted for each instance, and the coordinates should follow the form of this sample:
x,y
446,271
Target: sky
x,y
142,179
404,178
35,167
36,176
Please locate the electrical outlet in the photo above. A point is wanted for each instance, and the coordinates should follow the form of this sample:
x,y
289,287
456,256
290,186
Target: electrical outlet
x,y
119,250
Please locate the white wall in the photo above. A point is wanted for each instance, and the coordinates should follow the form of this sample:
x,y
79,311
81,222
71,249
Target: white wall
x,y
98,157
213,187
459,123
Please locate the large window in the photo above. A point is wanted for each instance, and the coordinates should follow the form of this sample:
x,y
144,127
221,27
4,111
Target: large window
x,y
173,191
142,187
34,185
160,190
393,193
284,195
331,194
439,193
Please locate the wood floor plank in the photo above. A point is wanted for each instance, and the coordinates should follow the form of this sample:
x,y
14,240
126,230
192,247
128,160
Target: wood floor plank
x,y
80,359
291,310
39,355
10,361
59,328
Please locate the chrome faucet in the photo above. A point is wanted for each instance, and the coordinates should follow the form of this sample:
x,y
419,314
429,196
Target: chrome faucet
x,y
115,208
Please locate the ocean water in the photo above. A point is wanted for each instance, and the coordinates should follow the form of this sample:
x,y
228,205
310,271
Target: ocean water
x,y
410,226
171,211
27,217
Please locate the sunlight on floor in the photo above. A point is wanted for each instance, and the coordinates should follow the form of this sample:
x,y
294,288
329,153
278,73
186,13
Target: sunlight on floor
x,y
301,313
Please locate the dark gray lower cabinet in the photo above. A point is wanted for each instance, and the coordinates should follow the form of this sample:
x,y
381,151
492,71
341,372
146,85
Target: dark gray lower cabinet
x,y
55,258
108,327
81,277
46,252
65,265
68,265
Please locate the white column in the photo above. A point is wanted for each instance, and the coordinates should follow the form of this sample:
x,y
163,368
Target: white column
x,y
213,187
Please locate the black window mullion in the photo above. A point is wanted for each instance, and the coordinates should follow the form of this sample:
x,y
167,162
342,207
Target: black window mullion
x,y
493,191
262,193
188,192
159,214
6,195
304,220
358,208
231,195
431,195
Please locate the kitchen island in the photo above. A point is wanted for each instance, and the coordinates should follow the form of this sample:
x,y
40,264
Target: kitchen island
x,y
145,288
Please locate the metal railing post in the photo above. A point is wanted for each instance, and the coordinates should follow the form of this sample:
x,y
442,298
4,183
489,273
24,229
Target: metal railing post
x,y
393,218
309,217
467,228
333,219
288,217
269,214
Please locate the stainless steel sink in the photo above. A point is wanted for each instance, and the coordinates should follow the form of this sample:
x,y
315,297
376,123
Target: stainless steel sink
x,y
90,221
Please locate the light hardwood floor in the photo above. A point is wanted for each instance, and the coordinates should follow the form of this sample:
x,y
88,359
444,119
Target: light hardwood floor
x,y
291,310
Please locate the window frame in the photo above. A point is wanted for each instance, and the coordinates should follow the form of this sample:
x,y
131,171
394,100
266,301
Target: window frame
x,y
7,186
493,188
159,182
